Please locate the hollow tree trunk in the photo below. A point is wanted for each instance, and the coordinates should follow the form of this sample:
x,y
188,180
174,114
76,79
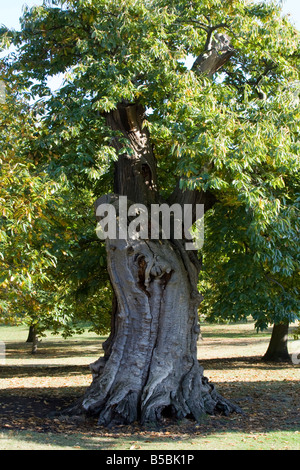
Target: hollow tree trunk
x,y
278,347
150,364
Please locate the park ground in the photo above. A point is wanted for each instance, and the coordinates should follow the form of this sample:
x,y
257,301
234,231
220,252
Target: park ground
x,y
32,387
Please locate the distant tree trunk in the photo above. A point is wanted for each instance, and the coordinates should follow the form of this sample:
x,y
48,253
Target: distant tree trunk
x,y
33,338
150,367
35,344
278,346
31,334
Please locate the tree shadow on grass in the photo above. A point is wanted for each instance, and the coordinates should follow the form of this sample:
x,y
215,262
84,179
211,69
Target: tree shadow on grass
x,y
245,362
268,406
54,349
9,371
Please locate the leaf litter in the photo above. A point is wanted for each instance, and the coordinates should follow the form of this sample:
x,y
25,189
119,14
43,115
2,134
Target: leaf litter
x,y
268,395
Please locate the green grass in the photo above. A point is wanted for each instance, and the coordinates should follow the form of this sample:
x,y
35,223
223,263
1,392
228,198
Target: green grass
x,y
273,440
20,333
52,349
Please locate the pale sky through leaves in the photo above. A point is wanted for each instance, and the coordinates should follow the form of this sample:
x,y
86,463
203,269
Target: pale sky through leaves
x,y
12,10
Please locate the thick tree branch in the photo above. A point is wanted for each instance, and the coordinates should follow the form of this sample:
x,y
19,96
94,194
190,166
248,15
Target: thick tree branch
x,y
135,171
186,196
217,52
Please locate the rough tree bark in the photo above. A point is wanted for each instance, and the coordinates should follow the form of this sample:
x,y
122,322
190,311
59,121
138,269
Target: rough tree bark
x,y
150,365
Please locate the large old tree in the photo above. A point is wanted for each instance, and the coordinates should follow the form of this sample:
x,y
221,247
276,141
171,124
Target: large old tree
x,y
188,102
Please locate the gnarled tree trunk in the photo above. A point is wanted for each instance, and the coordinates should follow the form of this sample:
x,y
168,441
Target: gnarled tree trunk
x,y
150,364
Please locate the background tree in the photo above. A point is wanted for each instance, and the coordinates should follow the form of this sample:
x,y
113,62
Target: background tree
x,y
251,257
215,134
45,270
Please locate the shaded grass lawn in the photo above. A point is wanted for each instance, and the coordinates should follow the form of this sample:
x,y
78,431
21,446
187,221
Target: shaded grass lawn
x,y
31,387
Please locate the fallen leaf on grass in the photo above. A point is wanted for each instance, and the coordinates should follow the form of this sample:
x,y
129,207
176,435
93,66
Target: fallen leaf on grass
x,y
134,446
